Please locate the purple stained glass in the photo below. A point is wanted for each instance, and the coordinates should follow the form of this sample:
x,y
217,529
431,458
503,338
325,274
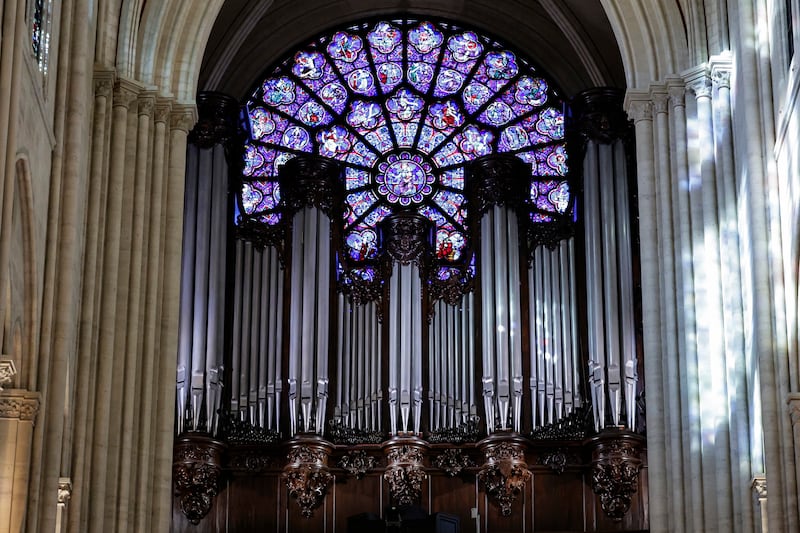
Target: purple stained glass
x,y
376,215
420,75
531,91
313,114
357,204
464,47
404,178
475,95
380,139
425,38
405,105
333,142
260,196
551,123
449,245
308,65
279,91
449,154
355,178
364,115
385,37
475,141
345,46
361,155
296,138
430,139
405,133
389,75
335,95
363,244
497,114
448,82
256,159
445,115
453,178
361,81
513,138
450,203
559,196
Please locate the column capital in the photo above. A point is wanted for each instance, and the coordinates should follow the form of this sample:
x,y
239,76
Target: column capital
x,y
19,404
759,486
64,490
163,110
126,92
721,66
698,80
639,106
183,117
147,103
7,372
659,94
793,405
104,82
676,89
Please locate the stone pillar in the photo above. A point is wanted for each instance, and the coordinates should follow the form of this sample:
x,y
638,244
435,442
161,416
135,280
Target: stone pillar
x,y
18,410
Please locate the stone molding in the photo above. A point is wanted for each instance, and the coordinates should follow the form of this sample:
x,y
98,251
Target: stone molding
x,y
759,486
147,103
639,106
19,404
104,82
64,490
793,405
7,372
126,93
183,117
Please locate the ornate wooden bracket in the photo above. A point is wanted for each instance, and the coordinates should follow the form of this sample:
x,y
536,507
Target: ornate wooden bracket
x,y
505,471
404,471
306,473
197,474
357,463
615,471
453,461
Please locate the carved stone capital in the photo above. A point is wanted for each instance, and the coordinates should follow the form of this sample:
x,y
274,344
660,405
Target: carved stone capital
x,y
7,372
505,471
405,473
406,237
759,486
104,82
163,110
793,405
19,404
147,103
306,473
721,66
453,461
497,180
313,181
698,80
64,490
197,474
183,117
126,93
218,119
677,95
597,114
639,110
615,471
357,463
660,101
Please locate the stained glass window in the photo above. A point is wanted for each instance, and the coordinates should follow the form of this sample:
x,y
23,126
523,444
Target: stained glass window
x,y
404,105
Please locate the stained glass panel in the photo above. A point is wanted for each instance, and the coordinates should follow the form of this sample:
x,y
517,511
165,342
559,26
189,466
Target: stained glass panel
x,y
404,105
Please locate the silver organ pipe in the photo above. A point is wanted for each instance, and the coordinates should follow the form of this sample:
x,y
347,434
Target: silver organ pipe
x,y
502,367
199,376
612,356
555,379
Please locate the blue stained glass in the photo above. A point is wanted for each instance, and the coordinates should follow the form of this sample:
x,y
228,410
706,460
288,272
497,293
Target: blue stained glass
x,y
475,142
449,244
551,123
405,105
420,75
362,244
448,155
475,95
497,114
367,96
355,178
450,203
389,76
445,116
425,38
309,65
358,203
429,139
448,82
334,95
365,116
334,142
453,178
385,37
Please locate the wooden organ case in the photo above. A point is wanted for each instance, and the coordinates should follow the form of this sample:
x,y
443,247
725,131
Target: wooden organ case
x,y
505,396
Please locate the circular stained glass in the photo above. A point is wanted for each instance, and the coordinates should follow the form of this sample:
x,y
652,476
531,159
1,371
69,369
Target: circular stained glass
x,y
404,178
403,105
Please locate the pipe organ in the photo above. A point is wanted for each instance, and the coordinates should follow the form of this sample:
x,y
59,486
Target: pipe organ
x,y
477,365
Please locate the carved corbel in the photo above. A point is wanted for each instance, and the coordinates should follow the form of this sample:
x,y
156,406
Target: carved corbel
x,y
197,474
404,471
615,471
505,471
357,463
453,461
306,473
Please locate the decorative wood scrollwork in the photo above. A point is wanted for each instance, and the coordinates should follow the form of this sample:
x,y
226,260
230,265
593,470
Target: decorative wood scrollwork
x,y
306,473
217,123
197,474
404,471
505,471
497,180
453,461
558,460
615,471
406,237
357,463
309,180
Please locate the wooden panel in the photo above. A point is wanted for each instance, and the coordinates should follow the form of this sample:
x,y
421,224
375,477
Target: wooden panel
x,y
353,497
253,504
456,496
558,501
520,519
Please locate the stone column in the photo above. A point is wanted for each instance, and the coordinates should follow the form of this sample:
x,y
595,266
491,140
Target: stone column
x,y
18,409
